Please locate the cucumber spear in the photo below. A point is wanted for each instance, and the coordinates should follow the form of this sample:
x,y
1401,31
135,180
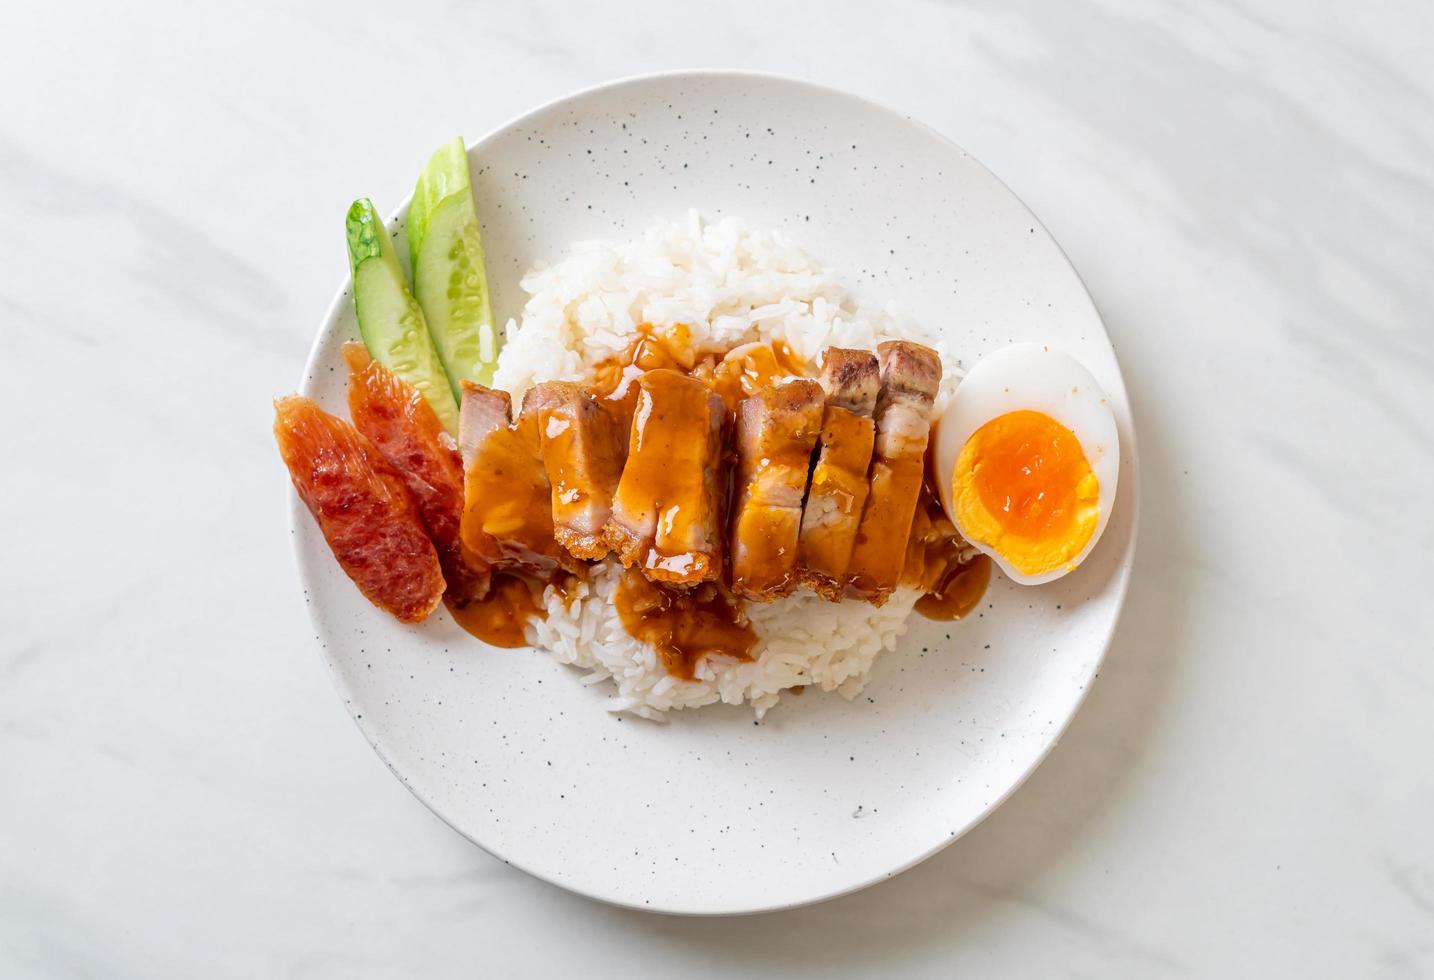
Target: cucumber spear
x,y
390,319
449,280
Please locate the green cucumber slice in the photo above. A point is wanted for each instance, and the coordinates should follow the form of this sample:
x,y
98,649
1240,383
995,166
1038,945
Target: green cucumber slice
x,y
449,279
390,319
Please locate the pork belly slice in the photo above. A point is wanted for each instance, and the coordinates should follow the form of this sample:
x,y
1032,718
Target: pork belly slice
x,y
507,511
838,491
582,454
777,429
851,379
910,376
481,412
667,510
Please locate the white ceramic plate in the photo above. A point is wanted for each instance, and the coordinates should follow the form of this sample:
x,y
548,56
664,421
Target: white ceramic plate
x,y
712,813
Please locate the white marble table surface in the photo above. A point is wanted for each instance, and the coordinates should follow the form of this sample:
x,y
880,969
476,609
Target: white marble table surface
x,y
1246,187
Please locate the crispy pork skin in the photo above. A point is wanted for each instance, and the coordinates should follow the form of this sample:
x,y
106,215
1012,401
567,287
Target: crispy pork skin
x,y
910,377
582,453
777,429
838,490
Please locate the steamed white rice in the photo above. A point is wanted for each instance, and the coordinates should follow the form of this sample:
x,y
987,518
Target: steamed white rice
x,y
730,285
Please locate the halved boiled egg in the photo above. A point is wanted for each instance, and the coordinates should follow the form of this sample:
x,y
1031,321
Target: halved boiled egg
x,y
1028,457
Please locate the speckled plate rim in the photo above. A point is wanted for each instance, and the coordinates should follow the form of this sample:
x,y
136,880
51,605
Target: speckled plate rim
x,y
1128,495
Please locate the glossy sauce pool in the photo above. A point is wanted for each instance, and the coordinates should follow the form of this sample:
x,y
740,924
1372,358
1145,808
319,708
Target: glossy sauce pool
x,y
951,587
514,600
499,618
958,591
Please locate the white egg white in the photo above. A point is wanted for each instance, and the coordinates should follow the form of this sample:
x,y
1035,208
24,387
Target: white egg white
x,y
1036,378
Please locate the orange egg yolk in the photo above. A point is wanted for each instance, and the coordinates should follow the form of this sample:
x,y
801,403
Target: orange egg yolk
x,y
1024,488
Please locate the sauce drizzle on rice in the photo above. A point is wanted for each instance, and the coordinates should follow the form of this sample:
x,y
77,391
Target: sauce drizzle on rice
x,y
734,372
684,627
513,603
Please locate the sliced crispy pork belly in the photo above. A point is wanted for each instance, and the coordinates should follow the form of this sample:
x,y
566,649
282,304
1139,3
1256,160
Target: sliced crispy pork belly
x,y
777,430
851,379
910,376
582,454
507,508
481,412
667,510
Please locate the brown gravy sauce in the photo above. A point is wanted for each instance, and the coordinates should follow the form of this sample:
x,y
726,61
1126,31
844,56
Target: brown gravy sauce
x,y
514,599
675,441
508,515
952,587
958,591
684,627
733,374
747,369
501,617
